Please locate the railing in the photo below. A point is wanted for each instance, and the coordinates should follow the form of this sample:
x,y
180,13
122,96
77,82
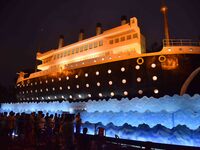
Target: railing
x,y
180,42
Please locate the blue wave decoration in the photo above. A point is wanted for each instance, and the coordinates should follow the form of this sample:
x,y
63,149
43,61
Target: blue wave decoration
x,y
169,119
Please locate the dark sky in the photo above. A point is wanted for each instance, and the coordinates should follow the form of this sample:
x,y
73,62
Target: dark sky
x,y
26,23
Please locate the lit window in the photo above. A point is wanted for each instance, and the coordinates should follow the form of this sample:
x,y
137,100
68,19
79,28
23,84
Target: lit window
x,y
125,93
140,92
110,57
89,95
110,82
137,67
40,82
83,63
100,94
79,96
139,79
169,49
59,79
32,98
87,85
122,69
62,96
31,91
27,98
23,92
26,91
60,87
42,97
77,86
35,91
97,73
112,93
153,65
68,87
98,84
154,78
76,76
55,97
49,97
123,81
109,71
95,61
70,96
156,91
53,89
36,98
101,43
67,78
40,90
86,74
47,89
46,81
31,84
52,80
102,59
190,49
26,84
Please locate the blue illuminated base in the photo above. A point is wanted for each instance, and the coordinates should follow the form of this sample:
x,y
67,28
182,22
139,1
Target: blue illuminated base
x,y
171,120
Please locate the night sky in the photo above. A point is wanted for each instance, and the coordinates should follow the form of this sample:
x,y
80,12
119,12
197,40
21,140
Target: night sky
x,y
26,24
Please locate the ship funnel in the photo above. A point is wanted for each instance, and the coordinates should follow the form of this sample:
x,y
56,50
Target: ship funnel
x,y
61,41
123,20
81,35
98,29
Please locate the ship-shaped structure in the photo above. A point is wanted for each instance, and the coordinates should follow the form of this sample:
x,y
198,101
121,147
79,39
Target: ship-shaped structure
x,y
114,63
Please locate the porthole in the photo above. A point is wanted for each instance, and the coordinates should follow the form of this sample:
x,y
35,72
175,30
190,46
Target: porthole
x,y
102,59
95,61
122,69
55,97
109,71
59,79
140,92
68,87
125,93
139,79
53,89
49,97
36,98
110,82
123,81
153,65
156,91
87,85
35,91
162,58
52,80
137,67
67,78
62,96
98,84
47,89
70,96
40,90
97,73
40,82
77,86
86,74
79,96
46,81
31,84
112,93
100,94
154,78
60,88
31,91
76,76
89,95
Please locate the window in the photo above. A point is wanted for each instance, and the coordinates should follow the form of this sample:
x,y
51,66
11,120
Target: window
x,y
101,43
95,44
135,35
90,46
65,53
73,51
81,48
128,37
77,50
68,53
122,39
111,41
85,47
117,40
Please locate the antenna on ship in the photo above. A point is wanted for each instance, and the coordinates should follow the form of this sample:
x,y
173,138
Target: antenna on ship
x,y
164,10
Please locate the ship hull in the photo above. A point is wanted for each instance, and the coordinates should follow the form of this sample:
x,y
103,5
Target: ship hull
x,y
155,76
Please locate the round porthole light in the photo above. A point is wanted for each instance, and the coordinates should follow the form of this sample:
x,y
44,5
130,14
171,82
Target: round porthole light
x,y
137,67
98,84
139,79
86,74
125,93
140,92
110,82
122,69
89,95
76,76
100,94
154,78
87,85
97,73
156,91
123,81
109,71
153,65
112,93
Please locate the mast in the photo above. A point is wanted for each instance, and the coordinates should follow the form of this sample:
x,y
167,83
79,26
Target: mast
x,y
164,10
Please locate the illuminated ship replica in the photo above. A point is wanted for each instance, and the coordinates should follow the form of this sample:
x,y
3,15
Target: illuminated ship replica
x,y
114,63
